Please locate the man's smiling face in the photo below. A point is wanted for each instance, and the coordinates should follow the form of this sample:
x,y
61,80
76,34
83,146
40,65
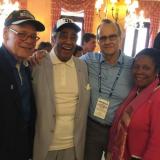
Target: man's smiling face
x,y
65,43
20,47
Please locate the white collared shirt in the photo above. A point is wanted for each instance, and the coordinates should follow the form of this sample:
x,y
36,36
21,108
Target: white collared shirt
x,y
66,98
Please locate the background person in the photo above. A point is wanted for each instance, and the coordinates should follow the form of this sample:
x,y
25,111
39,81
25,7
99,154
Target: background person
x,y
110,79
135,131
62,97
78,51
17,115
88,42
41,51
45,46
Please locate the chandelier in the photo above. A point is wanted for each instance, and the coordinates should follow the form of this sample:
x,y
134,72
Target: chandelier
x,y
116,7
6,7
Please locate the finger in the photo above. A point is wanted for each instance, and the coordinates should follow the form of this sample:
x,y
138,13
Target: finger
x,y
32,60
39,55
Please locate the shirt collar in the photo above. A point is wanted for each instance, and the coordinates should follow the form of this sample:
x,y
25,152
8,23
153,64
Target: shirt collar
x,y
55,60
11,59
13,62
121,58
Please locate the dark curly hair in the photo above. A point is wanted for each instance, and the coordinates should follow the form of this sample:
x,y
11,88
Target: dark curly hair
x,y
154,54
156,43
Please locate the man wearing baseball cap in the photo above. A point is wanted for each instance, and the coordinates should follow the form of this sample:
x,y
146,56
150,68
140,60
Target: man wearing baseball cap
x,y
62,94
17,107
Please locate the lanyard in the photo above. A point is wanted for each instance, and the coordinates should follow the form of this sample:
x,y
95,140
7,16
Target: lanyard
x,y
115,81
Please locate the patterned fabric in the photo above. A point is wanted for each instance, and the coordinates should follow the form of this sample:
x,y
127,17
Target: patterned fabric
x,y
119,144
88,18
74,5
122,131
152,11
22,3
56,11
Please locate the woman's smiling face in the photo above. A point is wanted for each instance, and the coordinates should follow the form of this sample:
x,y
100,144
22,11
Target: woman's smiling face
x,y
144,71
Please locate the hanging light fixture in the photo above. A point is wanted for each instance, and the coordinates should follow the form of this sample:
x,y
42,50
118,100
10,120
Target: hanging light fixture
x,y
98,5
6,7
134,20
115,7
129,5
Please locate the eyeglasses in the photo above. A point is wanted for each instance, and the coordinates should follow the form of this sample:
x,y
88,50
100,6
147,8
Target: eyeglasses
x,y
111,37
23,35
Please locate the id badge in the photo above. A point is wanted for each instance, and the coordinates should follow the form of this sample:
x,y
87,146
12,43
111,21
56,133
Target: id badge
x,y
101,108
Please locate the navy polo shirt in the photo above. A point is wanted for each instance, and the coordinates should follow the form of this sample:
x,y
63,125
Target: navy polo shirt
x,y
22,80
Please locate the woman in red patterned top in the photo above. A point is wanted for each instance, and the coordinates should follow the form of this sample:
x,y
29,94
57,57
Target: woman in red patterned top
x,y
135,133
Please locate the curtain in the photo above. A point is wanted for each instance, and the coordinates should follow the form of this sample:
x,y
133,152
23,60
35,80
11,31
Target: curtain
x,y
88,18
152,11
55,11
73,5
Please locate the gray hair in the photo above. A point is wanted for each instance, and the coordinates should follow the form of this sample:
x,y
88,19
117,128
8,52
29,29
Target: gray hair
x,y
108,21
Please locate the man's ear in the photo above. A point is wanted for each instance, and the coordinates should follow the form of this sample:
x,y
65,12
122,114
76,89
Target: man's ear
x,y
5,33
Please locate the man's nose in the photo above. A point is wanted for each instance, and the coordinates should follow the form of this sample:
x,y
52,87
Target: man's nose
x,y
69,39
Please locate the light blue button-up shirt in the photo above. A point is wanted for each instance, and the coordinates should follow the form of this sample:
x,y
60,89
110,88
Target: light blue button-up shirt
x,y
103,87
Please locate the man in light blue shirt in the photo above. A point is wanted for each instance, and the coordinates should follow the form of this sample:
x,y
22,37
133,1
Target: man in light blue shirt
x,y
110,79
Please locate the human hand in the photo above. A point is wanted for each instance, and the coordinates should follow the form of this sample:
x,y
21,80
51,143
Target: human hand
x,y
37,57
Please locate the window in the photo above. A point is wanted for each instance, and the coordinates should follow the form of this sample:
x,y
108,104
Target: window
x,y
136,39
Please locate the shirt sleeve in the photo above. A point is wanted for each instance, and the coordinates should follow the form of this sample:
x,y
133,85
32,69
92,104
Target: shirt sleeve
x,y
83,58
153,149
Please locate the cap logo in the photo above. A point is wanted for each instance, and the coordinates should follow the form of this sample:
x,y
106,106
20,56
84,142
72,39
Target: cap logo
x,y
68,20
26,14
65,22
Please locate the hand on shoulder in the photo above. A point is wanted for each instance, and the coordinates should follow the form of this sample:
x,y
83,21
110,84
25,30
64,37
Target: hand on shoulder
x,y
37,57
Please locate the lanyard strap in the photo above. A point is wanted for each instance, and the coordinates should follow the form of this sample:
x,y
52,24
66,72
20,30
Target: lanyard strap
x,y
115,81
